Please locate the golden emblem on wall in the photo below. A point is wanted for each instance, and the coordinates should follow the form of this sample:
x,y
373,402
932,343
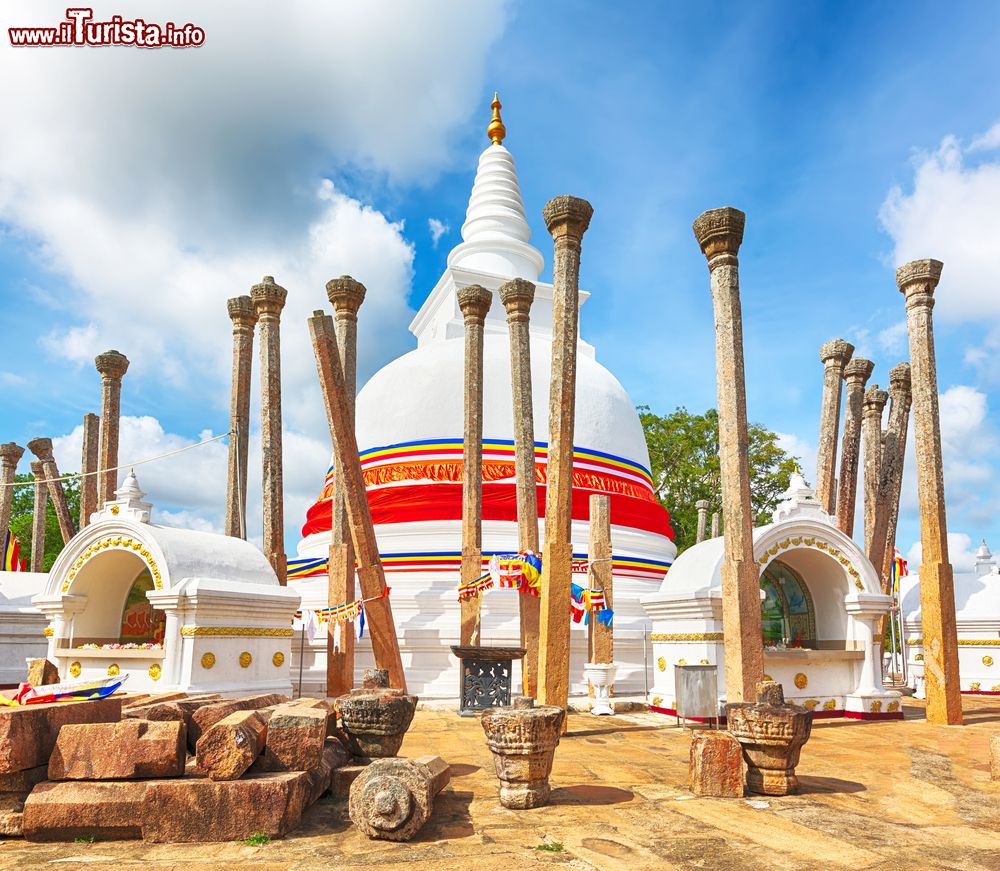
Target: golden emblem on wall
x,y
876,707
918,658
74,669
811,704
705,662
207,660
155,671
801,681
48,631
114,670
656,701
661,664
682,662
830,705
987,660
974,686
245,659
278,659
892,707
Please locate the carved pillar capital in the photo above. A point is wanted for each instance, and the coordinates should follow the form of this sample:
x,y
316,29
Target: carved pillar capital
x,y
41,448
917,280
836,354
475,302
268,298
720,233
567,217
875,400
345,295
517,295
858,371
112,365
10,454
243,313
900,384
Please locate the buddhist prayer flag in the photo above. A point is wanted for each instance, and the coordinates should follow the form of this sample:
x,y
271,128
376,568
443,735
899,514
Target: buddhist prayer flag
x,y
12,561
899,570
69,691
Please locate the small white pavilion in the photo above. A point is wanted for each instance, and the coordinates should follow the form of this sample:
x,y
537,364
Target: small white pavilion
x,y
821,604
175,609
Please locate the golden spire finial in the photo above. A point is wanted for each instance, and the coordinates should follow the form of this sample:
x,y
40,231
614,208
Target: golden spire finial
x,y
496,131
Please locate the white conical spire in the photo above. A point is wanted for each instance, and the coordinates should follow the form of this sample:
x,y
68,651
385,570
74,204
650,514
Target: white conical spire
x,y
495,233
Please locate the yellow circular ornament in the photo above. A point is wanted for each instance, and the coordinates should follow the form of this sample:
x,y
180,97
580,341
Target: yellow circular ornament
x,y
661,664
74,669
801,681
682,662
987,661
207,660
278,659
155,671
245,659
114,670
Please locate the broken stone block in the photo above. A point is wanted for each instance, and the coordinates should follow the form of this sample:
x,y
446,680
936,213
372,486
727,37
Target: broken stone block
x,y
321,777
296,736
716,766
343,777
104,810
229,747
209,715
175,709
23,781
41,672
28,733
129,749
198,809
12,814
393,798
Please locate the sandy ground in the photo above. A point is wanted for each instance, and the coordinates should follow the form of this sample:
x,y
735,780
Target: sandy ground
x,y
881,795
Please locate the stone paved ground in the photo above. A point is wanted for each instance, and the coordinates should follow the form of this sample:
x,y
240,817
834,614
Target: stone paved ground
x,y
884,795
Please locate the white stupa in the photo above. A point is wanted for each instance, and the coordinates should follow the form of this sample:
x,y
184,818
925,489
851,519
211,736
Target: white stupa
x,y
409,426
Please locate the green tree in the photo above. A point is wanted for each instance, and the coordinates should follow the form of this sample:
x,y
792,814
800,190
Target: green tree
x,y
22,516
684,454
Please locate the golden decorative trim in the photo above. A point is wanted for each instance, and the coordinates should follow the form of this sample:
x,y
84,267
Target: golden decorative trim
x,y
656,701
114,670
236,632
830,705
115,542
245,659
892,707
278,659
74,669
207,660
974,686
987,660
918,658
682,662
155,671
661,664
876,707
812,704
115,509
705,662
995,688
962,642
48,631
787,543
801,680
686,636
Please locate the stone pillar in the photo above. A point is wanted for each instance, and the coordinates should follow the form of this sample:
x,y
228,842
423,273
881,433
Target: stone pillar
x,y
371,577
244,318
917,281
38,518
89,466
702,506
834,356
475,302
346,295
720,233
517,296
567,219
856,374
42,448
269,299
112,365
600,637
715,524
10,455
871,431
899,422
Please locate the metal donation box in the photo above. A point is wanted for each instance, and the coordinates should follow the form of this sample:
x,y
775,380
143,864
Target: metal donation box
x,y
485,676
697,688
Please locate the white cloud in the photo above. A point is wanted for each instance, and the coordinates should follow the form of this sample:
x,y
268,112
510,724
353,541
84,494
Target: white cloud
x,y
438,229
894,339
988,141
961,553
799,447
11,379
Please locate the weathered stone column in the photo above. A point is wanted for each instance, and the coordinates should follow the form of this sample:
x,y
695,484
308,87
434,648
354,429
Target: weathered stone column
x,y
871,431
112,365
371,576
720,233
475,302
90,462
715,524
834,356
244,318
899,421
517,296
346,295
856,374
10,455
269,299
39,517
42,448
702,506
567,219
917,281
600,637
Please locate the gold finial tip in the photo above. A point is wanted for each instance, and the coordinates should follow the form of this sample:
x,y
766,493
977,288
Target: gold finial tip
x,y
496,131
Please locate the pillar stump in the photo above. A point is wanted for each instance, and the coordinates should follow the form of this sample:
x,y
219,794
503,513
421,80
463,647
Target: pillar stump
x,y
702,507
244,317
856,375
90,462
112,365
10,456
834,355
871,431
42,448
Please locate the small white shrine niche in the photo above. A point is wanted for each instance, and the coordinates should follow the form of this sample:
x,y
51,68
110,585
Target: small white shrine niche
x,y
175,609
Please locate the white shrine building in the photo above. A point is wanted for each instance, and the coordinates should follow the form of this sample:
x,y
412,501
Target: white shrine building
x,y
409,428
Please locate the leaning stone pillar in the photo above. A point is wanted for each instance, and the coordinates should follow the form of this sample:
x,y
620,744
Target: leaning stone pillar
x,y
39,517
346,296
269,299
475,302
856,374
720,233
600,636
715,524
112,365
917,281
10,455
702,506
89,464
899,422
517,296
42,448
567,219
244,318
871,431
834,356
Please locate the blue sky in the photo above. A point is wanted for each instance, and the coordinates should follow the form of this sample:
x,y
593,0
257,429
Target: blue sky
x,y
138,190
